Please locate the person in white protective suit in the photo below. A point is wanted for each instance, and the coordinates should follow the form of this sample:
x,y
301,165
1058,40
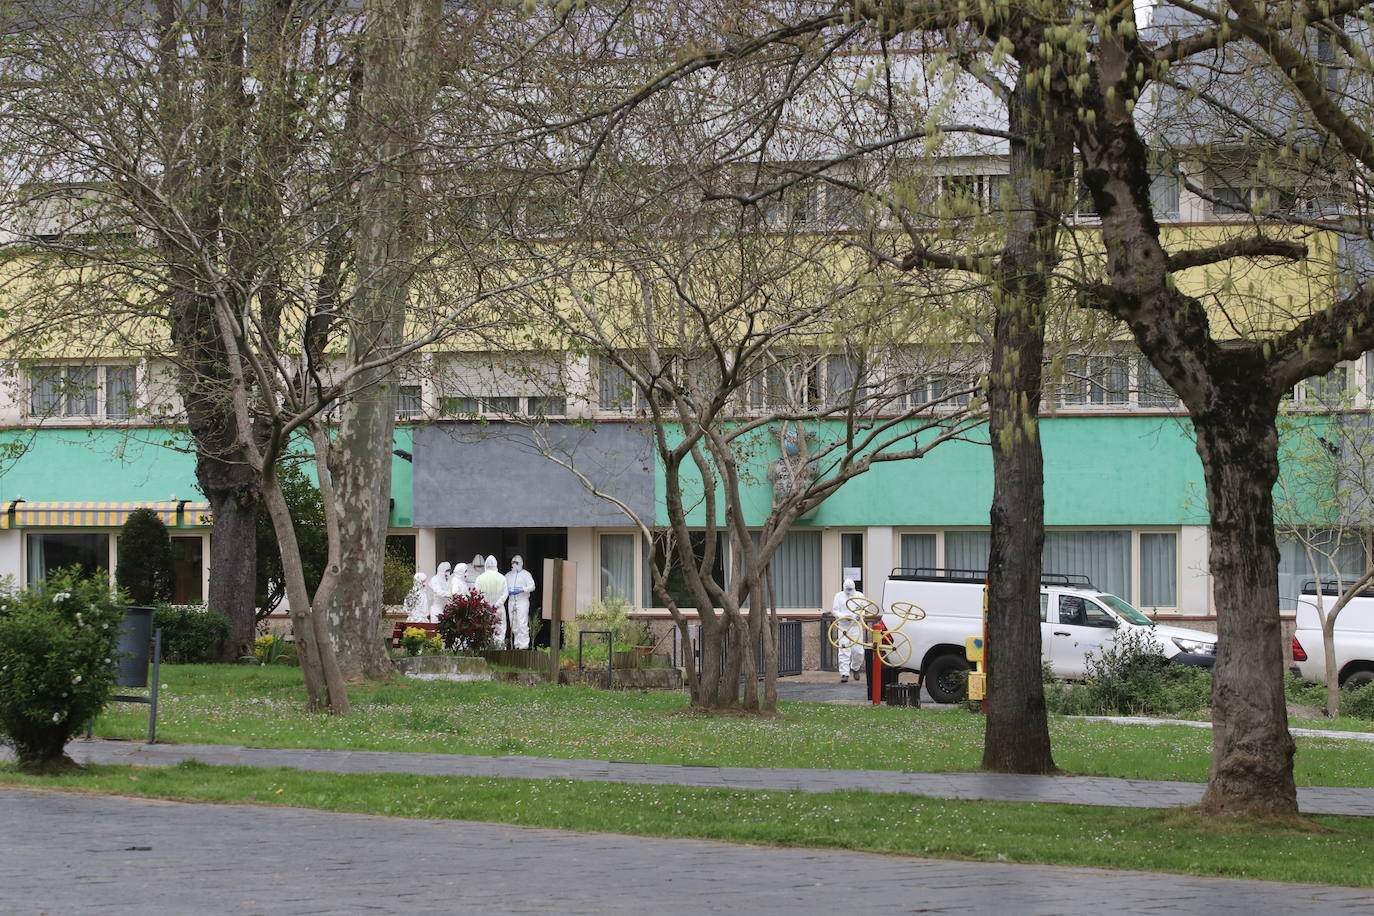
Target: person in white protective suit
x,y
520,585
459,580
850,629
440,586
492,585
474,570
417,603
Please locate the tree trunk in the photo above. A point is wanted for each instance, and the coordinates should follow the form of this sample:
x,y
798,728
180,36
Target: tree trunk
x,y
1016,736
233,559
398,91
1252,750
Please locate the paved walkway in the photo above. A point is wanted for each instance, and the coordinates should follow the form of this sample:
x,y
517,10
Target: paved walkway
x,y
1075,790
67,853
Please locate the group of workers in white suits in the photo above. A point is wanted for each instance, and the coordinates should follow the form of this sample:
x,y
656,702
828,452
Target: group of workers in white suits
x,y
507,595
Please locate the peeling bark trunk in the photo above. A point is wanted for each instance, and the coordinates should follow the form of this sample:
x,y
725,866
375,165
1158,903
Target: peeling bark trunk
x,y
398,91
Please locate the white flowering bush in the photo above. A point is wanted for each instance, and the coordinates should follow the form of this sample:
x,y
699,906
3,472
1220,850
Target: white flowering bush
x,y
57,664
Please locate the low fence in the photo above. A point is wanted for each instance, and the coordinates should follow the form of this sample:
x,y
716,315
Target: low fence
x,y
789,640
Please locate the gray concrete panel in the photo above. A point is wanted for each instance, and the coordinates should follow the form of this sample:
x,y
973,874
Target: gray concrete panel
x,y
499,475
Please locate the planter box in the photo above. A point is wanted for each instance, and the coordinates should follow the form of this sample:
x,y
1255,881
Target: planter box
x,y
517,658
444,668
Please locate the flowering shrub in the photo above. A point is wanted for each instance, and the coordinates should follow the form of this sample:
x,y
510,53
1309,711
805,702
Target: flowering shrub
x,y
413,639
57,664
467,623
434,645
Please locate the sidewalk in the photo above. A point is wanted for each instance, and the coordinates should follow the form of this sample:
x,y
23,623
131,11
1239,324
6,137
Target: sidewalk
x,y
1070,790
69,853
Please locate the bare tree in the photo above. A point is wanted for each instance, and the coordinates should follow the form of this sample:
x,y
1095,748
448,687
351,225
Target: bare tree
x,y
254,175
1323,508
760,356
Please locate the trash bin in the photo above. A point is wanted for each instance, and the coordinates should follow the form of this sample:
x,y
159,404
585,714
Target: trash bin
x,y
135,642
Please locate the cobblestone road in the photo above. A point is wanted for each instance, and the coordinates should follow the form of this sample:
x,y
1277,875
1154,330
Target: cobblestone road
x,y
63,853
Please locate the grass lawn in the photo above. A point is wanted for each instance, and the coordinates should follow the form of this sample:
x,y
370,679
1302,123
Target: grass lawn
x,y
1331,851
264,707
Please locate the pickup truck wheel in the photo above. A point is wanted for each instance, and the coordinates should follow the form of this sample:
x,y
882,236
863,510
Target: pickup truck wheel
x,y
1357,679
946,679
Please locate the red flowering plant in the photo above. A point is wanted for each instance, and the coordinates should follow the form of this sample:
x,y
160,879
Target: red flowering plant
x,y
467,623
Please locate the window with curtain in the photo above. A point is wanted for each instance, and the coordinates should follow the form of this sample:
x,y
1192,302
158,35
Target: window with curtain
x,y
918,550
1102,556
1158,569
52,550
121,392
796,569
615,390
617,566
967,550
1347,556
109,392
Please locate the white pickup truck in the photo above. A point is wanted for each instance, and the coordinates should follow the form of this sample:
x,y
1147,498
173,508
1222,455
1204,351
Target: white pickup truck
x,y
1353,638
1075,619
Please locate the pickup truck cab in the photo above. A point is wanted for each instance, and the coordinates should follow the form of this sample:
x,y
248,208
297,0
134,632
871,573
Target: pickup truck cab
x,y
1353,638
1076,619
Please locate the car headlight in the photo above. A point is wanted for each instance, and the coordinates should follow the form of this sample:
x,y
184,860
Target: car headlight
x,y
1195,646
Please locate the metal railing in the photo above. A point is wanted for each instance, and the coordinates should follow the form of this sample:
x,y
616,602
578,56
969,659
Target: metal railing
x,y
789,649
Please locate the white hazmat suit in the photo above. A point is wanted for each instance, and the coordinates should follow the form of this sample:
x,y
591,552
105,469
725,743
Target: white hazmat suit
x,y
474,570
851,655
492,585
439,585
459,580
520,585
417,603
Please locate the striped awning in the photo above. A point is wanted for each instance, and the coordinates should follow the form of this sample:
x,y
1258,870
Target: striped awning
x,y
177,513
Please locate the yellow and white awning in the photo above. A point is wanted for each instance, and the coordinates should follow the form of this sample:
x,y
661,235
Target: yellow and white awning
x,y
175,513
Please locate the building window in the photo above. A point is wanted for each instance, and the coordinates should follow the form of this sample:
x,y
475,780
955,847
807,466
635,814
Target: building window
x,y
852,557
968,550
188,558
676,582
53,550
1151,389
503,406
1334,552
796,570
983,193
1158,569
794,207
1102,556
408,404
1102,380
617,567
88,392
616,391
1328,390
1164,195
918,550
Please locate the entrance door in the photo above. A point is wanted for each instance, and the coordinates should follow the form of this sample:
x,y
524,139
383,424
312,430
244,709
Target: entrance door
x,y
533,545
